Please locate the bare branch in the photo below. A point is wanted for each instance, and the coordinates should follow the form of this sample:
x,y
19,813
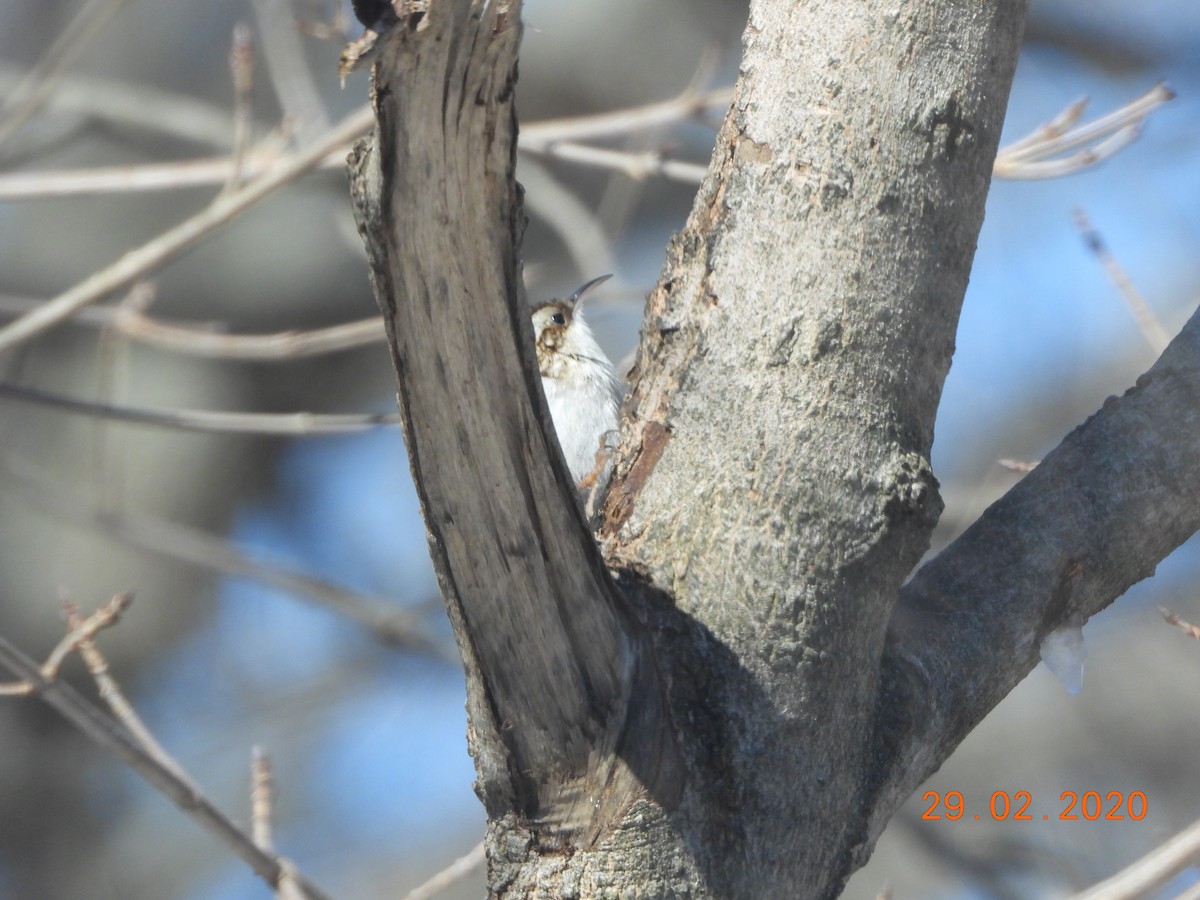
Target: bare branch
x,y
241,67
132,104
470,862
262,798
538,137
1147,322
81,632
1152,871
278,346
263,424
209,341
262,801
112,737
636,166
137,263
29,96
1031,156
1192,631
561,138
1095,516
110,691
198,548
154,176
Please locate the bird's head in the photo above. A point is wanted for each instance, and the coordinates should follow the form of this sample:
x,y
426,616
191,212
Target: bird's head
x,y
563,336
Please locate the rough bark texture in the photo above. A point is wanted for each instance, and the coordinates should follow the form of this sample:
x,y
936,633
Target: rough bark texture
x,y
726,713
553,662
792,361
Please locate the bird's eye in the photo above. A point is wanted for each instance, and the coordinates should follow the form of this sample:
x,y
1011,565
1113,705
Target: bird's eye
x,y
558,319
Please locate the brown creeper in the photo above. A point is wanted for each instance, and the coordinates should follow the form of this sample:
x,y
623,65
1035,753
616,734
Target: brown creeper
x,y
581,385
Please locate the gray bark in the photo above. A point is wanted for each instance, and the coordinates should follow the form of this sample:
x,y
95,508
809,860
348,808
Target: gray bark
x,y
716,706
522,579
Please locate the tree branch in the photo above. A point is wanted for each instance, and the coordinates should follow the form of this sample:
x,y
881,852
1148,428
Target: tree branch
x,y
192,546
551,657
204,420
136,263
774,478
114,738
1095,517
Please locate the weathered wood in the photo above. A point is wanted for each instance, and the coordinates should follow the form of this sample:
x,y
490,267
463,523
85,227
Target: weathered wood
x,y
550,652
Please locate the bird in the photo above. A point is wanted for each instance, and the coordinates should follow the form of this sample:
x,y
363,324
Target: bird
x,y
581,385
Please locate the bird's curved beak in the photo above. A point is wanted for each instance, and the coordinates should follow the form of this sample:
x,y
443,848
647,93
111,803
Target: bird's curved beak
x,y
577,297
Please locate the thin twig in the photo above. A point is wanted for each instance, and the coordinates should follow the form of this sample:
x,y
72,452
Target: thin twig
x,y
241,68
131,104
1030,157
280,345
1147,322
110,691
465,865
205,420
562,138
1192,631
1048,130
81,632
537,136
262,802
25,101
189,545
1152,871
95,316
262,798
635,165
136,263
207,341
112,737
1020,466
288,69
1060,135
1069,165
16,689
180,175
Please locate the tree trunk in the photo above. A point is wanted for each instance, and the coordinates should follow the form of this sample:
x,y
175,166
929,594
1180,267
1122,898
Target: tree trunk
x,y
715,706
